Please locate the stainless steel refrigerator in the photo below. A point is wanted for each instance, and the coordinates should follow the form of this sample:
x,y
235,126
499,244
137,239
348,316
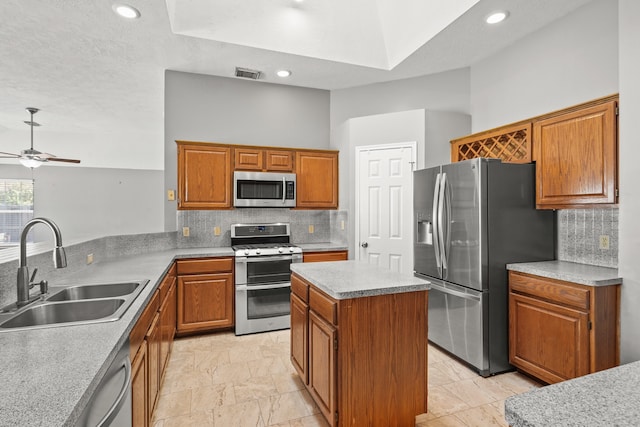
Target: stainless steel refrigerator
x,y
473,218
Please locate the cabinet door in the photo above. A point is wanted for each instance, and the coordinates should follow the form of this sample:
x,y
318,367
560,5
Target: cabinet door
x,y
204,177
299,337
317,180
139,396
205,302
248,159
576,158
168,325
547,340
322,365
279,161
153,362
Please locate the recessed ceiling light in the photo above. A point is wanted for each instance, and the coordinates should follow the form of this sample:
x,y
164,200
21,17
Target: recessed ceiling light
x,y
496,17
283,73
126,11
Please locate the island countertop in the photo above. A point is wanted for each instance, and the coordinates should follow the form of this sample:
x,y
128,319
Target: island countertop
x,y
356,279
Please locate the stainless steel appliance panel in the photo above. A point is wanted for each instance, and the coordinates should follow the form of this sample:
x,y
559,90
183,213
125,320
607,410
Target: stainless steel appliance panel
x,y
456,322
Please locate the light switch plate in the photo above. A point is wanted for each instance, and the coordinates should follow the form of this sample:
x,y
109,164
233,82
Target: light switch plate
x,y
311,229
216,231
171,195
185,231
604,242
89,259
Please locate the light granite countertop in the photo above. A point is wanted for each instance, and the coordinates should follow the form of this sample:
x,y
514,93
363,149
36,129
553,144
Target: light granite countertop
x,y
584,274
322,247
48,375
606,398
355,279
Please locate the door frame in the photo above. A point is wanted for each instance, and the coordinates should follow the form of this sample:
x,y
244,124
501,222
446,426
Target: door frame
x,y
418,163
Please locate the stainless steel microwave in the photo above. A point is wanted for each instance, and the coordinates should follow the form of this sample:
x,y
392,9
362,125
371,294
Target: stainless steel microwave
x,y
264,190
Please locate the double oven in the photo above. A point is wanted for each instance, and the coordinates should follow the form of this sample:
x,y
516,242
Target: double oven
x,y
263,256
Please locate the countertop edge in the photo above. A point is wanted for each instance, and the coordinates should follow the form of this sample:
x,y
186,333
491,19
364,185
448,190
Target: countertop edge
x,y
584,274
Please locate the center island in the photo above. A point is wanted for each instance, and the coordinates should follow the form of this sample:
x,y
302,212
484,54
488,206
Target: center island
x,y
359,342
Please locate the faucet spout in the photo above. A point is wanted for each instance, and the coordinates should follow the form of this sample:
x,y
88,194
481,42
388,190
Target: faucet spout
x,y
59,256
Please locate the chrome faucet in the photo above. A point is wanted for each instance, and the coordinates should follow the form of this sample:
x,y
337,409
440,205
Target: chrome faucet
x,y
59,260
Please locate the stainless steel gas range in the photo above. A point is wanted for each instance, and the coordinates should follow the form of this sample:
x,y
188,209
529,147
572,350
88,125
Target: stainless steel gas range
x,y
263,256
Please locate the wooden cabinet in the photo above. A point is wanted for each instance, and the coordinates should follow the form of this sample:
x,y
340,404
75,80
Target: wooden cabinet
x,y
577,157
511,144
139,400
150,343
325,256
357,366
205,295
317,179
205,176
560,330
254,159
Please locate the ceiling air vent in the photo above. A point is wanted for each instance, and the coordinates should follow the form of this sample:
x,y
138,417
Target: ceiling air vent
x,y
247,73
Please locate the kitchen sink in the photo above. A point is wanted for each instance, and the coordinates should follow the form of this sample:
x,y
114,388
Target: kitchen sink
x,y
65,312
102,290
76,305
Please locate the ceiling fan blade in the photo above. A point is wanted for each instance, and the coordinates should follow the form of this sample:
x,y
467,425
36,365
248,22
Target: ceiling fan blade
x,y
9,155
58,159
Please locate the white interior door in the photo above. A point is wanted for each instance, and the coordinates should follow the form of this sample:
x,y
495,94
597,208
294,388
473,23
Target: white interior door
x,y
384,206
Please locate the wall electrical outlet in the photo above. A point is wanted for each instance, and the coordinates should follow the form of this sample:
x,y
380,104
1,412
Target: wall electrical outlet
x,y
604,242
342,225
185,231
311,229
216,231
171,195
89,259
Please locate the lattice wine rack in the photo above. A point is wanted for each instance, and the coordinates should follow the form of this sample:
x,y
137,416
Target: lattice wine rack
x,y
512,144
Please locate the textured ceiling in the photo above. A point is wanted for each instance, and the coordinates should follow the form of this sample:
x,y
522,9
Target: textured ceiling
x,y
94,73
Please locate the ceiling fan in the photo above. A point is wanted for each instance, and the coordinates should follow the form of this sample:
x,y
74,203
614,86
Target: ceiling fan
x,y
33,158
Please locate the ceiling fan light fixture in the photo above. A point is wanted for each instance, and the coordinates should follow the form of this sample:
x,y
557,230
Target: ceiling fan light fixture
x,y
30,163
126,11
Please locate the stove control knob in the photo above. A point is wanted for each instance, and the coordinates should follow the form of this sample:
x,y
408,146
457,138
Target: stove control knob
x,y
257,251
291,250
246,251
280,250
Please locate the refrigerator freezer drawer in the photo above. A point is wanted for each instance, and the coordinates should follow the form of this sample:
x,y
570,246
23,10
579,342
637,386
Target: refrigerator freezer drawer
x,y
456,322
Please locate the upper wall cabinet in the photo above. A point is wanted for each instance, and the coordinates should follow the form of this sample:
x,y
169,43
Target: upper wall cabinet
x,y
576,157
317,179
252,159
204,176
510,143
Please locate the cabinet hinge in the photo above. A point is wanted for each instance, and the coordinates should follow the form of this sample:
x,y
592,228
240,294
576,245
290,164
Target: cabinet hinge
x,y
336,417
617,192
589,325
617,111
335,344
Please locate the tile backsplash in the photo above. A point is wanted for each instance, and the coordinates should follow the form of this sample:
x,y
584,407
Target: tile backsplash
x,y
579,232
202,225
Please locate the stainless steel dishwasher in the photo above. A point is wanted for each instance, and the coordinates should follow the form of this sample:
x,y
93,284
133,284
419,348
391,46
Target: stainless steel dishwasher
x,y
110,404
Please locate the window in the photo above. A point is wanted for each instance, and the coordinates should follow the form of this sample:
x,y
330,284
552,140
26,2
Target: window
x,y
16,209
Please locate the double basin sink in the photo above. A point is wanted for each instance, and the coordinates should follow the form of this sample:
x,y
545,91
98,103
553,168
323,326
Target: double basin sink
x,y
76,305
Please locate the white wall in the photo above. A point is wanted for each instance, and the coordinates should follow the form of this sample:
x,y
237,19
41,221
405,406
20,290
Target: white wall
x,y
88,203
570,61
237,111
629,232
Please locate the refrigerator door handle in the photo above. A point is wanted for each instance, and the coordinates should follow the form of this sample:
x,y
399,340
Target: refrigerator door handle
x,y
456,293
441,206
436,225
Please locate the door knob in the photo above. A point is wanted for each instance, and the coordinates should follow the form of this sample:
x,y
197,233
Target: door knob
x,y
364,245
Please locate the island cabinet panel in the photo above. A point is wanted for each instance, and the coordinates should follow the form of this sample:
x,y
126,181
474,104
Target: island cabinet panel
x,y
560,330
205,176
325,256
205,295
577,157
366,357
317,179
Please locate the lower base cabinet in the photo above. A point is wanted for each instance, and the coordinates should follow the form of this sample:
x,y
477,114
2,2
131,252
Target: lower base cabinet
x,y
325,256
356,365
560,330
150,344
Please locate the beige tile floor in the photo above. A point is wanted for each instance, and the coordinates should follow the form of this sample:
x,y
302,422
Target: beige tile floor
x,y
220,380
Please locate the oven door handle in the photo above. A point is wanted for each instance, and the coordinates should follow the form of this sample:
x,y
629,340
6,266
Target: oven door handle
x,y
267,258
263,287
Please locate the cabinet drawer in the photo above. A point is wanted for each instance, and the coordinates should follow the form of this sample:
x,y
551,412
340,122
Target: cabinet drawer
x,y
325,256
323,305
168,280
300,288
205,265
137,334
549,289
